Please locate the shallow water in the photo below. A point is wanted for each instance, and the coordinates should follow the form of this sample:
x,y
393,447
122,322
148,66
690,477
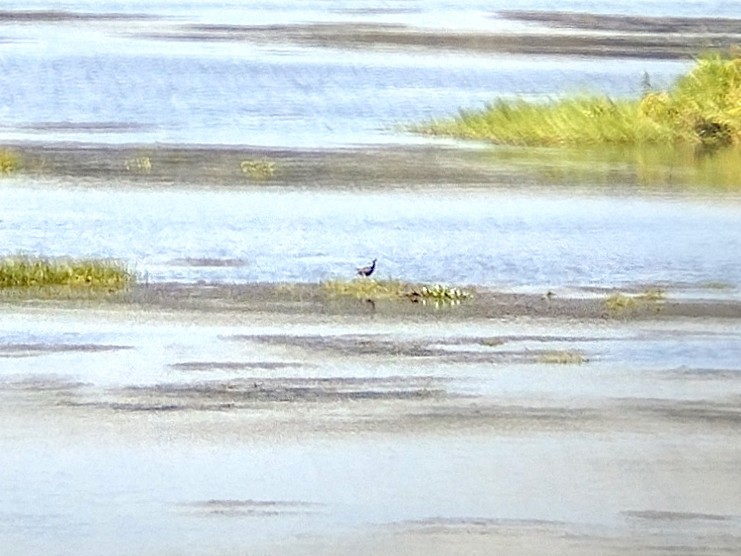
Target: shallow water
x,y
108,81
165,446
464,236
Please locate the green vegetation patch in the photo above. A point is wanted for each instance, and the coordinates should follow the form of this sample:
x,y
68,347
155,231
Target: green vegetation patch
x,y
9,162
702,108
619,304
365,288
259,170
369,288
23,271
139,165
438,294
562,358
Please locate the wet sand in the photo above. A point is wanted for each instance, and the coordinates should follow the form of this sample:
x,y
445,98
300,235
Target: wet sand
x,y
654,302
597,35
225,420
353,36
222,166
442,164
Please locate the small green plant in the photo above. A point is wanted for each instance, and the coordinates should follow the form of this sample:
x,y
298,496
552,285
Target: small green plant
x,y
141,165
652,295
619,304
259,170
438,293
24,271
491,342
369,288
364,288
9,162
562,358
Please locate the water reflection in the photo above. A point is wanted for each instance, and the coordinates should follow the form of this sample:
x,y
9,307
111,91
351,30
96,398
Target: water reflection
x,y
624,169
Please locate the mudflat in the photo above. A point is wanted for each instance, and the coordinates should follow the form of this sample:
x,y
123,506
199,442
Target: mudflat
x,y
226,417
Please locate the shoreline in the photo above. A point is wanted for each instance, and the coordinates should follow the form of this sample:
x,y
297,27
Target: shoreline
x,y
610,304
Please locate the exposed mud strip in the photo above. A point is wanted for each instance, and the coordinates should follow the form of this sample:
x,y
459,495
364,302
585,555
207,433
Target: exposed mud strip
x,y
35,349
486,303
254,393
65,16
249,508
460,350
395,36
625,23
233,365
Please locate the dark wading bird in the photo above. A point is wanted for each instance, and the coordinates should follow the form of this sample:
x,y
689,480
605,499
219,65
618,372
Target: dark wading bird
x,y
367,270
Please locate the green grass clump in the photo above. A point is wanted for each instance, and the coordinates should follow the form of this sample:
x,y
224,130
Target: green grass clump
x,y
437,293
369,288
619,304
22,271
702,108
139,165
562,358
259,170
365,288
9,162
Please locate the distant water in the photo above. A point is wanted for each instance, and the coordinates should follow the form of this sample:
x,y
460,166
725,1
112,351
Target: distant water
x,y
105,81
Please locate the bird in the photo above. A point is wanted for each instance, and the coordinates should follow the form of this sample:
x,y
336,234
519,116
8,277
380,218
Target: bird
x,y
367,270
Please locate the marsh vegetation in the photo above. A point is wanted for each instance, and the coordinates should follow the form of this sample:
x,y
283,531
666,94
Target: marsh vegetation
x,y
562,358
258,170
9,161
621,305
703,108
369,288
31,272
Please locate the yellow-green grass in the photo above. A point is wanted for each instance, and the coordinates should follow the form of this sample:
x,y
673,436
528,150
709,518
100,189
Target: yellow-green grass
x,y
9,161
25,271
365,288
702,108
369,288
562,358
259,170
619,304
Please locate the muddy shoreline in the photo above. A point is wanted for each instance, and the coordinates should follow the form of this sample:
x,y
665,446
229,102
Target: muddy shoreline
x,y
312,299
216,165
363,167
355,36
486,303
621,36
259,414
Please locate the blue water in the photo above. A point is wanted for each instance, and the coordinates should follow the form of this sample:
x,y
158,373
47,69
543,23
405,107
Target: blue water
x,y
109,81
497,238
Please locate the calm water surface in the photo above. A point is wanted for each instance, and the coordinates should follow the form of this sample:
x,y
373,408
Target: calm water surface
x,y
107,81
468,236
